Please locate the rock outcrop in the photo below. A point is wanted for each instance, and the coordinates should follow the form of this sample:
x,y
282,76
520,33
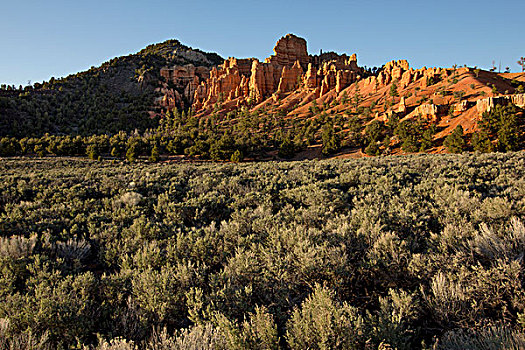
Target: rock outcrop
x,y
462,106
290,68
288,50
311,80
395,71
182,82
264,80
427,111
290,78
486,104
227,82
402,108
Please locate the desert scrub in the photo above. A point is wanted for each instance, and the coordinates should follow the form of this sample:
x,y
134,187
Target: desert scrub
x,y
385,251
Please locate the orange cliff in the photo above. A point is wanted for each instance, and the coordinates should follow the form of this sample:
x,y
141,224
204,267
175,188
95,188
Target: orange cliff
x,y
292,82
248,81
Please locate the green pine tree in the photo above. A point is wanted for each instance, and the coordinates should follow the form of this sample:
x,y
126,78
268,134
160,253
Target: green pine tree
x,y
237,156
131,153
455,142
481,142
331,141
154,157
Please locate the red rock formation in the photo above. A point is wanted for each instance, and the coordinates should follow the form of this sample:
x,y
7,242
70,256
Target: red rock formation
x,y
289,49
264,80
394,70
290,78
402,108
486,104
244,65
311,80
226,83
343,79
185,78
384,78
329,81
461,107
427,111
403,64
244,80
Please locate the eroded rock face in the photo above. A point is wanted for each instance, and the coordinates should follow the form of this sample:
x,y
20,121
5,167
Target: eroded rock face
x,y
329,81
403,64
290,68
406,78
518,100
402,108
462,106
487,104
227,82
343,79
185,81
398,71
264,80
427,111
288,50
311,79
290,78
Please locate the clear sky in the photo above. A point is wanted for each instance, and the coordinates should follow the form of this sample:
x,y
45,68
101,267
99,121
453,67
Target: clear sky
x,y
41,39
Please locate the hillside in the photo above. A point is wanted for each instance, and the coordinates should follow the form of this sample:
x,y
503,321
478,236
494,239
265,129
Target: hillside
x,y
298,87
118,95
291,105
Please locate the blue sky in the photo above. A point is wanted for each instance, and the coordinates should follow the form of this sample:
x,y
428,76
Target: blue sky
x,y
40,39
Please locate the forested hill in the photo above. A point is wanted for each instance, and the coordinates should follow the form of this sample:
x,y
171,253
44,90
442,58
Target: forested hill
x,y
172,100
117,96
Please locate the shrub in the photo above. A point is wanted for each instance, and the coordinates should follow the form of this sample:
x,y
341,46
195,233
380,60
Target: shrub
x,y
490,338
237,156
449,299
257,332
322,323
16,247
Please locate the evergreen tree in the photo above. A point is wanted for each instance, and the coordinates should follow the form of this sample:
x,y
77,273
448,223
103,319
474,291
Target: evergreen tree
x,y
374,131
481,142
331,142
508,133
372,149
154,157
132,152
502,123
287,148
237,156
427,137
393,90
409,133
455,141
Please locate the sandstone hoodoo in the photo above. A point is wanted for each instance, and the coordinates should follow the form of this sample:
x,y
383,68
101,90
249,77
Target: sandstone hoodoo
x,y
288,50
249,82
293,84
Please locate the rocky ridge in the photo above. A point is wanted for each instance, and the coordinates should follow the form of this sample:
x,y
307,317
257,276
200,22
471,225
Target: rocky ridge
x,y
249,81
292,82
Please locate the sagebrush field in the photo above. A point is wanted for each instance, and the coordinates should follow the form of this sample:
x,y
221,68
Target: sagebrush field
x,y
390,252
